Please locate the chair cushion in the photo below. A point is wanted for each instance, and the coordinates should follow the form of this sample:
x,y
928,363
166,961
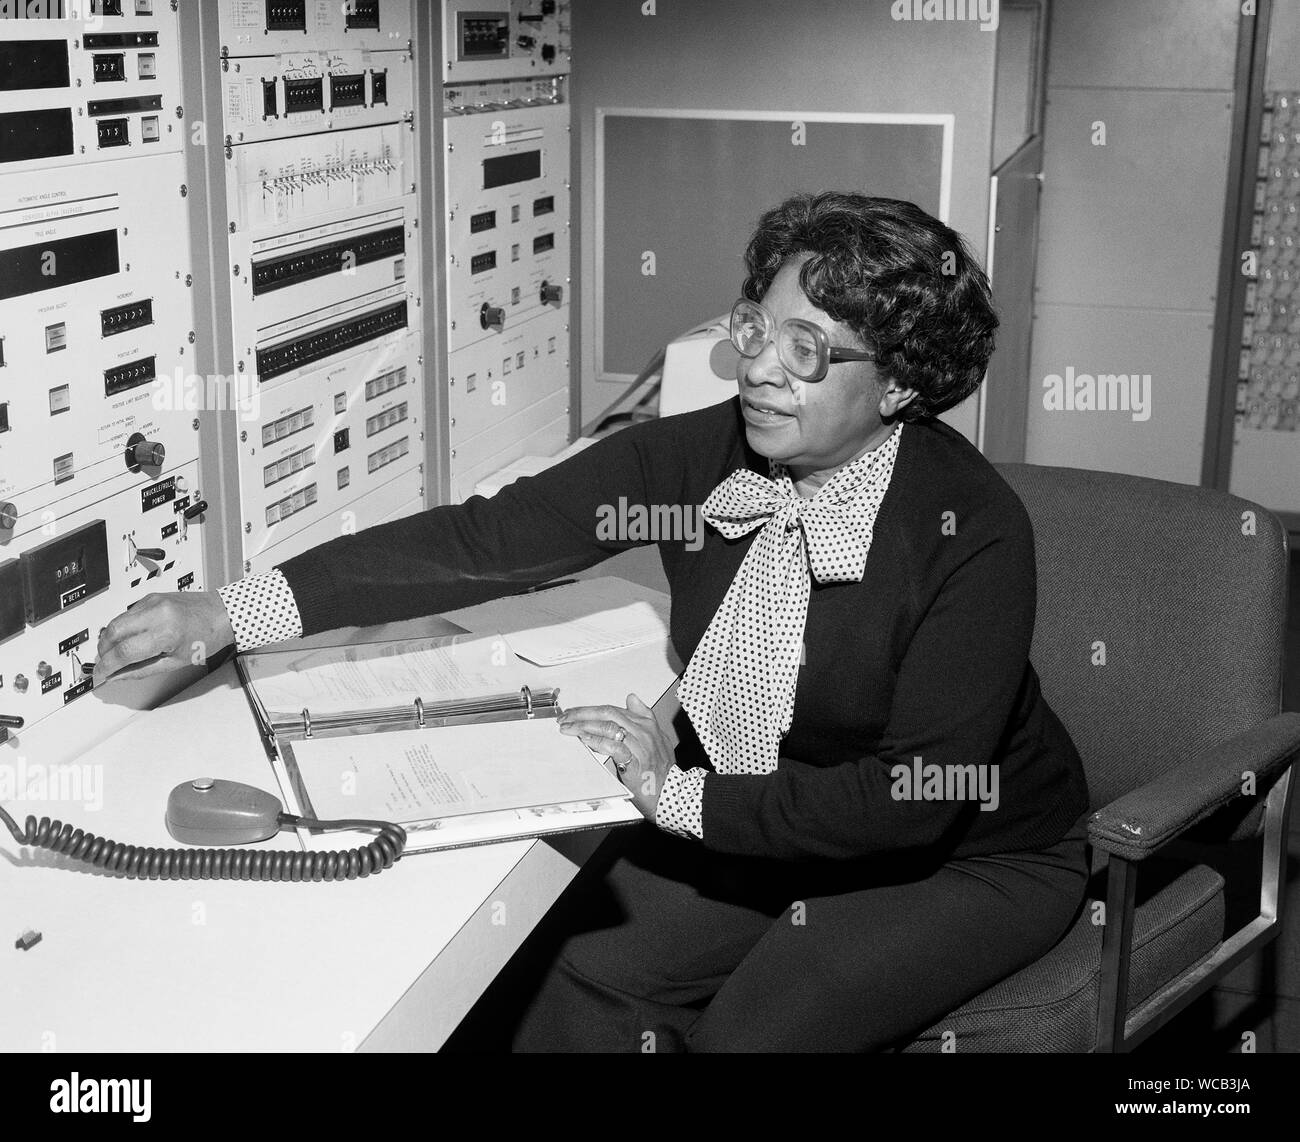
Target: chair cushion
x,y
1051,1005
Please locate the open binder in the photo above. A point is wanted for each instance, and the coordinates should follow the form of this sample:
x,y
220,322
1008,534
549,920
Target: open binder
x,y
452,769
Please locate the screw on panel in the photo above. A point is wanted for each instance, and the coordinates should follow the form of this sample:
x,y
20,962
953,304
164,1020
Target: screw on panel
x,y
232,227
248,528
194,424
185,190
248,566
189,279
180,112
191,337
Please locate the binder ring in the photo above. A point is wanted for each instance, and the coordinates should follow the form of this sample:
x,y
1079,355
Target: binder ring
x,y
528,700
306,722
419,712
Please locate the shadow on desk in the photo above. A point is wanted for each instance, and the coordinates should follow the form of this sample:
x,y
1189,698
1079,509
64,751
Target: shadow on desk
x,y
490,1024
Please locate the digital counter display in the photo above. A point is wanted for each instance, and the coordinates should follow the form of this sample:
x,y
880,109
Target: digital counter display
x,y
506,169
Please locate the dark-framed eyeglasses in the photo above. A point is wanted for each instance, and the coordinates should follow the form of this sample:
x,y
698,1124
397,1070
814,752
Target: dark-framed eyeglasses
x,y
802,347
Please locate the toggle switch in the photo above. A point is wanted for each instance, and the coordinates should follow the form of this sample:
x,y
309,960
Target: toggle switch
x,y
157,554
8,516
11,721
526,43
492,317
142,453
196,509
551,294
20,683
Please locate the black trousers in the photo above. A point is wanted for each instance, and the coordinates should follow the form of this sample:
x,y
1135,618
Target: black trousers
x,y
680,949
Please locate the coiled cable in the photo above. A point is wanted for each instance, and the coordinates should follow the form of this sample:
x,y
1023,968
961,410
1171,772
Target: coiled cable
x,y
218,864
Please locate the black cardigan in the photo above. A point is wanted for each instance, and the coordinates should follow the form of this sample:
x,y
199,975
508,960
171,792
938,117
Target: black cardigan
x,y
927,656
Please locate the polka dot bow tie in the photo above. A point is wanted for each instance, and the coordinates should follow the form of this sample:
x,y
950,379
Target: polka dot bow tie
x,y
738,688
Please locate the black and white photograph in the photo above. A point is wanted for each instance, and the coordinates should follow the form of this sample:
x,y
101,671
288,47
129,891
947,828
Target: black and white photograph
x,y
649,527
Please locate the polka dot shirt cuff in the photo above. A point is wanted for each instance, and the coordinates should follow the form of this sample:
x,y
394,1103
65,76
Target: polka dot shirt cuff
x,y
261,610
681,803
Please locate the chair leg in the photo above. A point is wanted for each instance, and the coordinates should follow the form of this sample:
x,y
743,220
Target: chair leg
x,y
1116,942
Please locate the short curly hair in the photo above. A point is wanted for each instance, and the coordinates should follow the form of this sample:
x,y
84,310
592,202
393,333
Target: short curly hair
x,y
905,283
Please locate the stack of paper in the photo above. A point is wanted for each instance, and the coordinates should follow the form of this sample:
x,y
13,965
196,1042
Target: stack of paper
x,y
575,621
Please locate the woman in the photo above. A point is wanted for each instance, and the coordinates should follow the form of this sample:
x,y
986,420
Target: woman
x,y
872,814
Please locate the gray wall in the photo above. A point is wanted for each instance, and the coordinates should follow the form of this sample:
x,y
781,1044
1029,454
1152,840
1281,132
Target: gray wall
x,y
671,187
817,55
1129,241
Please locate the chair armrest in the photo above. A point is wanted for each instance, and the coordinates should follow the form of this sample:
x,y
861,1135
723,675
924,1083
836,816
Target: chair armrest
x,y
1135,825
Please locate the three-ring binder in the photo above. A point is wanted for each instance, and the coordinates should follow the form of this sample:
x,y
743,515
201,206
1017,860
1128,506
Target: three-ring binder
x,y
295,733
526,703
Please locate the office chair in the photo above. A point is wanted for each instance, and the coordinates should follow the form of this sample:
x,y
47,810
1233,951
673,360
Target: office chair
x,y
1187,602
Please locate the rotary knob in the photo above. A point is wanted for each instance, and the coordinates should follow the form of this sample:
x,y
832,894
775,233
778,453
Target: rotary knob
x,y
492,317
551,294
8,516
142,453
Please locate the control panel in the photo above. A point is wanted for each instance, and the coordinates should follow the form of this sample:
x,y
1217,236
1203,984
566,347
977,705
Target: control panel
x,y
100,502
489,39
507,231
89,88
260,27
322,259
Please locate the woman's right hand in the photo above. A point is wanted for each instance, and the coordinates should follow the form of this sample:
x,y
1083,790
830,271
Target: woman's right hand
x,y
163,632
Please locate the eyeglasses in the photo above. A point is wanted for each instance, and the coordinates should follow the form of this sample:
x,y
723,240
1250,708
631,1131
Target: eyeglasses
x,y
802,347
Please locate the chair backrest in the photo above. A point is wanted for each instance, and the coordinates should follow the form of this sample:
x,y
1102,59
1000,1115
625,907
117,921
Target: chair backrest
x,y
1182,589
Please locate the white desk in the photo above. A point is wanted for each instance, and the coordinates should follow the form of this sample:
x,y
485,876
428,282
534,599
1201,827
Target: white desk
x,y
391,962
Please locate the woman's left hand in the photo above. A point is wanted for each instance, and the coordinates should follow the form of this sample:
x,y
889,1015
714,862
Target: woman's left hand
x,y
641,750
